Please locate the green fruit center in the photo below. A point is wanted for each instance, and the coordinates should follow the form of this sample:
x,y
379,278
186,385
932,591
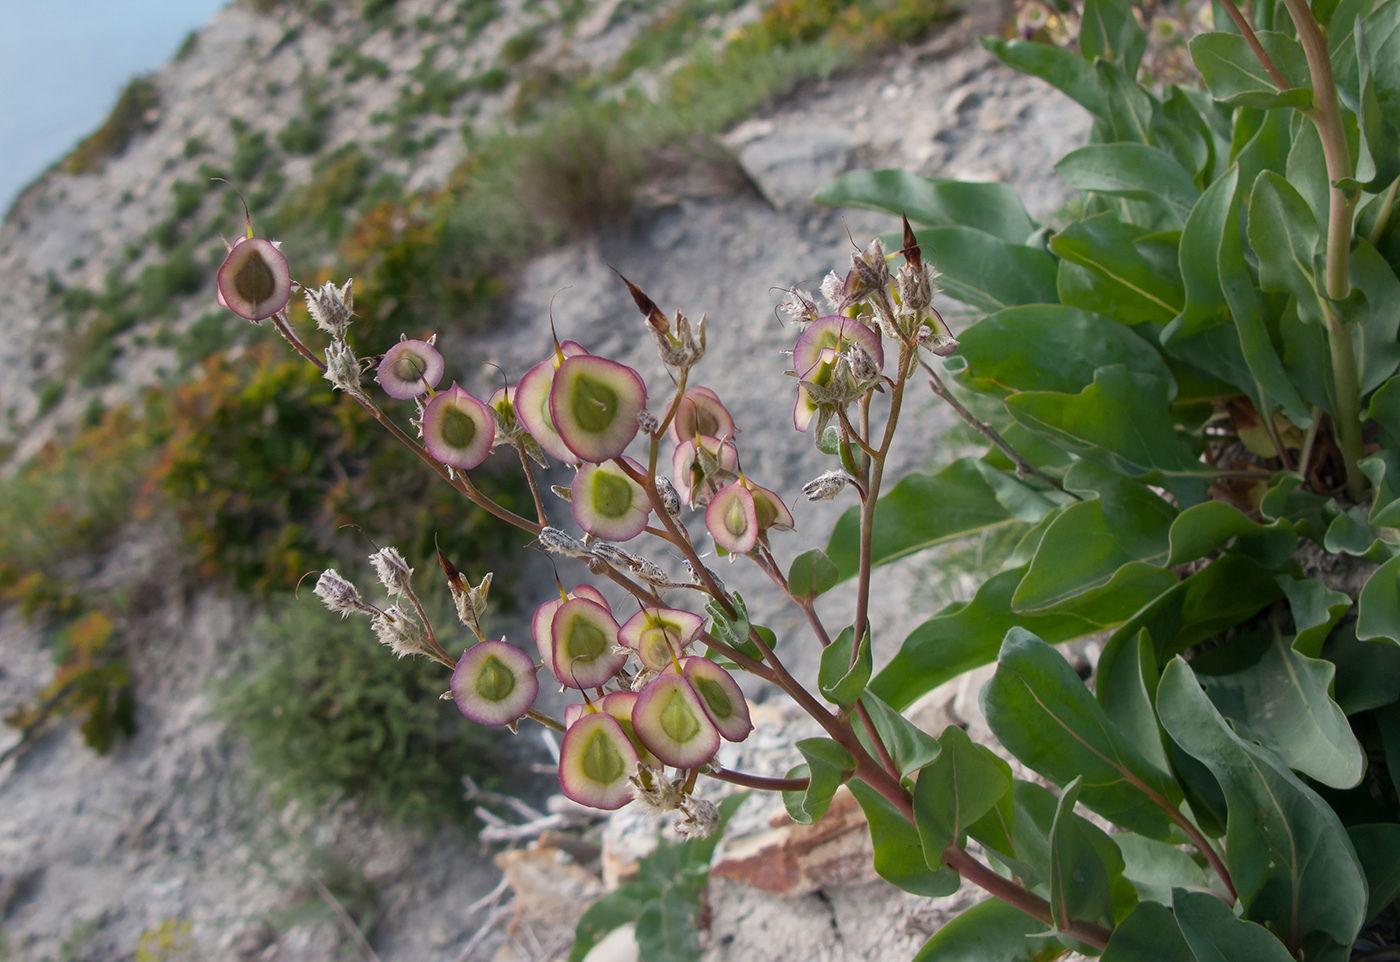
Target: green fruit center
x,y
494,681
458,428
678,719
254,281
716,698
736,519
585,640
612,495
409,367
595,404
655,648
602,762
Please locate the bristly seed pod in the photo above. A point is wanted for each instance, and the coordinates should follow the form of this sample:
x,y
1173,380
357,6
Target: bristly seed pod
x,y
254,281
331,307
720,694
340,595
670,500
557,542
609,504
596,761
393,571
494,683
671,722
410,368
825,487
458,429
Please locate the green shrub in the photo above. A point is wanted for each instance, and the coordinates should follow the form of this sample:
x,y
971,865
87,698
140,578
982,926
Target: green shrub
x,y
250,151
306,132
521,45
327,714
131,116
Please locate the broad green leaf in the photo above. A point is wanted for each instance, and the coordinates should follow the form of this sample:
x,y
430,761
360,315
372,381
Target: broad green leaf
x,y
1350,533
1380,320
1041,712
1378,608
1235,76
1378,847
1129,107
991,931
996,830
1383,468
1215,935
1284,498
1202,528
612,911
1027,504
666,928
1282,702
992,208
921,511
1284,233
1084,866
1155,868
1227,592
1248,312
1088,542
986,271
812,573
899,856
1062,69
840,677
963,637
1384,409
1141,289
1205,305
1288,856
828,767
1127,694
1049,347
1306,171
1316,609
1368,672
1109,29
735,631
1121,421
1378,161
1148,934
1131,170
955,790
911,747
1198,146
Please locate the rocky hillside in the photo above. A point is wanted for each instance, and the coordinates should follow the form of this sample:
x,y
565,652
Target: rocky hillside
x,y
348,124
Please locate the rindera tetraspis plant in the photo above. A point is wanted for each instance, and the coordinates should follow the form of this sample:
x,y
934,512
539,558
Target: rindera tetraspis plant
x,y
1183,370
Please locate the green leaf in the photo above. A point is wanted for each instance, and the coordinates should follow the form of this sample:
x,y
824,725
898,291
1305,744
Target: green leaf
x,y
963,637
955,790
812,573
1041,712
1108,29
1235,76
1316,609
992,208
1132,170
990,931
1384,409
1288,856
1062,69
1378,161
1378,608
1202,528
1084,866
919,512
899,855
1130,107
828,767
1089,541
1127,693
1378,847
910,746
666,928
1380,321
1215,935
1155,868
1284,233
1148,934
1049,347
1141,289
986,271
1368,672
1121,421
1246,308
612,911
841,678
1205,305
735,631
1282,702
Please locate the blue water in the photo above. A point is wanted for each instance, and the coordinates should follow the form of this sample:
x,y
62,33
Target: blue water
x,y
62,64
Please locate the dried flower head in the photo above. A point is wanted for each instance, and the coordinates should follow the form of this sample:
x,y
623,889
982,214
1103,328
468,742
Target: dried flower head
x,y
400,632
340,596
699,818
393,571
343,370
825,487
331,307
